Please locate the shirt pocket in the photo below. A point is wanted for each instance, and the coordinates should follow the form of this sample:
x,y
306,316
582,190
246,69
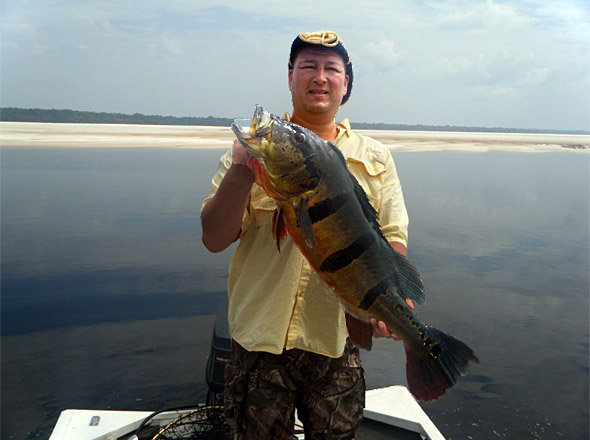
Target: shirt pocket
x,y
370,172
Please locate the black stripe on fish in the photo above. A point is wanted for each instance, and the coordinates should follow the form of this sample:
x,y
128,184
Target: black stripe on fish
x,y
342,258
373,293
327,207
313,175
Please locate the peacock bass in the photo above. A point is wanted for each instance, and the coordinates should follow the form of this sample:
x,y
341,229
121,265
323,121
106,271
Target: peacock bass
x,y
328,215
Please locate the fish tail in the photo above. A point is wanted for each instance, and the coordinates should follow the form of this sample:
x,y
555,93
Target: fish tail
x,y
430,375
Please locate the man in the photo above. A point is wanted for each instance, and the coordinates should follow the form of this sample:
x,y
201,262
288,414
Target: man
x,y
289,337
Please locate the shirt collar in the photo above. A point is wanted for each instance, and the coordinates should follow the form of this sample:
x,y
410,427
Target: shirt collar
x,y
343,128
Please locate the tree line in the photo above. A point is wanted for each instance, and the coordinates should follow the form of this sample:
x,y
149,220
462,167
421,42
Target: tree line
x,y
14,114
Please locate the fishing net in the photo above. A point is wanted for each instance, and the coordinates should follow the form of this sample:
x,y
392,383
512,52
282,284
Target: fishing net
x,y
202,423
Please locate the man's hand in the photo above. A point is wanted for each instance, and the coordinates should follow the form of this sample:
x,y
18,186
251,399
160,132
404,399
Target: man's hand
x,y
240,155
380,330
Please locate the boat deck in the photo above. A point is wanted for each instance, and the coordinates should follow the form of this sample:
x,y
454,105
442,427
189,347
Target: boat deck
x,y
390,413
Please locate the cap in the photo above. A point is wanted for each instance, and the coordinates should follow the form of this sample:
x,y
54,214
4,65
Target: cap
x,y
330,40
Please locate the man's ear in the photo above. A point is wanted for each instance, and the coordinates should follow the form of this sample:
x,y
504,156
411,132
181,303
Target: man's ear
x,y
345,85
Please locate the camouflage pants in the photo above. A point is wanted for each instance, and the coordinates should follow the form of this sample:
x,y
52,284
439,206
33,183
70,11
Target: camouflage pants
x,y
262,391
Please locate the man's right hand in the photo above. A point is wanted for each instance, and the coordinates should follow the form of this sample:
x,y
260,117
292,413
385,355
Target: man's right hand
x,y
240,155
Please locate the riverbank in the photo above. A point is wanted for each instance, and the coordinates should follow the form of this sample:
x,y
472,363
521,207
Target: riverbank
x,y
34,134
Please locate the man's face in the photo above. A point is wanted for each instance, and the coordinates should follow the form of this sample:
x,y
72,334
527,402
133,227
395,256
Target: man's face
x,y
318,81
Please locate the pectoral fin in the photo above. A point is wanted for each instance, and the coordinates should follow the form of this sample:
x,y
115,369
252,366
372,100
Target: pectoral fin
x,y
279,229
304,221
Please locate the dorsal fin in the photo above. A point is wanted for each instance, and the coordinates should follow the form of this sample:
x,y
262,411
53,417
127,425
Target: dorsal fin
x,y
368,210
409,279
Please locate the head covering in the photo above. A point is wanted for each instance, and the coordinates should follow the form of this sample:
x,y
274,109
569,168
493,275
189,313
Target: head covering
x,y
330,40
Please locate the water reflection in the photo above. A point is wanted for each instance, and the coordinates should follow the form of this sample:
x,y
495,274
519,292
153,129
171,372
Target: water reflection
x,y
87,228
502,243
91,236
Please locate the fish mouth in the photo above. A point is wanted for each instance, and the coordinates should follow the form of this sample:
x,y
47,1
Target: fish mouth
x,y
257,136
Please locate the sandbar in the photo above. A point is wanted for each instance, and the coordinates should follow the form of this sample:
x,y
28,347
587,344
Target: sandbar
x,y
51,135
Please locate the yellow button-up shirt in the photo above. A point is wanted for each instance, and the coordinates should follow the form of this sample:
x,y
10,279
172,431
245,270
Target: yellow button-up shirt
x,y
276,301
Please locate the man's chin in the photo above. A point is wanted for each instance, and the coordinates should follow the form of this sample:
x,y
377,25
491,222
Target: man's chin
x,y
318,106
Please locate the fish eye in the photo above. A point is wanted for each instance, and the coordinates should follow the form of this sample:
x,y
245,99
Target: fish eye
x,y
299,137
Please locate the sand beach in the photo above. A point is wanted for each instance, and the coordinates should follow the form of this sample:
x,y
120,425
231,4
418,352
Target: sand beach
x,y
33,134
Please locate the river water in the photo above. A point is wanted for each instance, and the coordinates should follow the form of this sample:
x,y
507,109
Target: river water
x,y
108,295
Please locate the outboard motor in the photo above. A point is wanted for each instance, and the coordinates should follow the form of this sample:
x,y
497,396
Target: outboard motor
x,y
218,356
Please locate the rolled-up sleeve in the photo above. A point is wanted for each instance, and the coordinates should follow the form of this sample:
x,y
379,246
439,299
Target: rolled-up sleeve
x,y
393,216
224,163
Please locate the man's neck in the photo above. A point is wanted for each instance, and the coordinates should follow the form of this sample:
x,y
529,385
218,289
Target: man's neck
x,y
325,129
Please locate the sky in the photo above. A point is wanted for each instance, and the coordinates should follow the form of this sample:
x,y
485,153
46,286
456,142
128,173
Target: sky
x,y
491,63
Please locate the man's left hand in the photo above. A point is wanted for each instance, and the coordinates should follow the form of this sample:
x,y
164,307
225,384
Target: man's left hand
x,y
380,330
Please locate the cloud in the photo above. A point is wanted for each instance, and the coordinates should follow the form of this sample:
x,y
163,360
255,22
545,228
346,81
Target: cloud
x,y
500,73
379,57
535,77
453,67
482,16
191,57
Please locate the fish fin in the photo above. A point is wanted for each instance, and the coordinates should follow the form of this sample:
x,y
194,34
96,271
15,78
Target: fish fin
x,y
409,279
368,210
304,221
279,229
429,376
359,332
